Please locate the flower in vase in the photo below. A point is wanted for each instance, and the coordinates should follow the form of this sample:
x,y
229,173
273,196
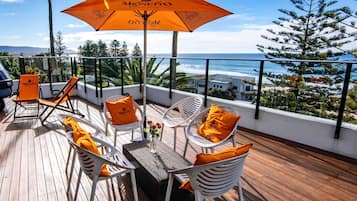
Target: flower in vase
x,y
154,128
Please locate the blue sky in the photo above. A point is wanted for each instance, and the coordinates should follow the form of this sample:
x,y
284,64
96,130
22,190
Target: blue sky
x,y
25,23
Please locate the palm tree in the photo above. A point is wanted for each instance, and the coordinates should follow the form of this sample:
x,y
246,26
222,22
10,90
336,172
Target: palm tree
x,y
132,74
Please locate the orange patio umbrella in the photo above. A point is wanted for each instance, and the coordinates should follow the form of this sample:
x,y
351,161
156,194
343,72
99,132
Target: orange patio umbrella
x,y
169,15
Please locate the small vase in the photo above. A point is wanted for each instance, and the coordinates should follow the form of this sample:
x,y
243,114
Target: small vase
x,y
153,140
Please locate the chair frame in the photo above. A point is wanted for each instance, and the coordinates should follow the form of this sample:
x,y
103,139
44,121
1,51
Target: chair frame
x,y
19,102
194,104
59,98
193,137
125,127
91,163
212,179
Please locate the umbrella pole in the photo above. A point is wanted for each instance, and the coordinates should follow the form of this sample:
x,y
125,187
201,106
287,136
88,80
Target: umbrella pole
x,y
145,18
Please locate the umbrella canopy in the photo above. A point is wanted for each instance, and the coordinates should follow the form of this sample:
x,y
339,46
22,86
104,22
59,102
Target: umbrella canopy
x,y
169,15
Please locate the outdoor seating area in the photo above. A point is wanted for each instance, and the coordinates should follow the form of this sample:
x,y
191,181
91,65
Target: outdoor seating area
x,y
39,162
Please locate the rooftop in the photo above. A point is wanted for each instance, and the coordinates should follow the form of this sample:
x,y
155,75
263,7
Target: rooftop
x,y
32,164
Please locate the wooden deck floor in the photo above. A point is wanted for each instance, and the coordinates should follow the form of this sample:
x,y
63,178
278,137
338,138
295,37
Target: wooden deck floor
x,y
32,165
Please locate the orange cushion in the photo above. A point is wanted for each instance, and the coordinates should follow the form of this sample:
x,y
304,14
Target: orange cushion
x,y
210,158
71,123
122,111
218,125
83,139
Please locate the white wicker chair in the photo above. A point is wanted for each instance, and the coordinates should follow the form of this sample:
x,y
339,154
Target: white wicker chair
x,y
125,127
117,163
212,179
193,137
91,164
180,114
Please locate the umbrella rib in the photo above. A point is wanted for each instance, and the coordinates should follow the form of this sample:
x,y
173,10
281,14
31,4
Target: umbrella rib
x,y
98,28
183,21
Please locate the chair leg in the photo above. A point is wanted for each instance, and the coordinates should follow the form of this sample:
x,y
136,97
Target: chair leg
x,y
132,135
115,138
142,133
198,196
106,128
77,186
133,183
119,188
162,131
233,141
71,172
175,132
113,191
185,150
203,150
94,186
15,111
212,150
169,187
68,156
241,197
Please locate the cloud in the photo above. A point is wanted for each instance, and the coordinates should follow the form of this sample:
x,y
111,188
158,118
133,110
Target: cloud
x,y
243,41
9,14
241,16
76,25
12,1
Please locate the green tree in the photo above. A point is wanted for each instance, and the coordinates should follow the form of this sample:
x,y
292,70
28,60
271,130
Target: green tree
x,y
123,52
136,51
307,32
114,48
59,50
10,64
89,49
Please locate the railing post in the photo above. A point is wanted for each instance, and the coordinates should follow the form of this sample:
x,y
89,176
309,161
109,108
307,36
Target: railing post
x,y
122,75
100,78
206,83
260,83
170,80
343,100
49,73
72,66
22,65
84,75
96,77
75,66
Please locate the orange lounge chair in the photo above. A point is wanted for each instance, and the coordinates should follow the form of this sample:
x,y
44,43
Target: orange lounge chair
x,y
28,93
62,101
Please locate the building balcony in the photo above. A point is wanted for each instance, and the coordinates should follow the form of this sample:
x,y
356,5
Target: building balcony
x,y
294,156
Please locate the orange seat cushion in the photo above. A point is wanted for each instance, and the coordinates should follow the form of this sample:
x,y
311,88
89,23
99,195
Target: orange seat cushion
x,y
218,125
122,111
83,139
202,159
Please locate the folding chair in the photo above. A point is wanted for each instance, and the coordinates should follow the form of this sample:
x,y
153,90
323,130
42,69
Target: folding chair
x,y
62,101
28,93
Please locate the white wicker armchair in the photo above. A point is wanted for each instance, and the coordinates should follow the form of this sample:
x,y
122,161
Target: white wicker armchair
x,y
193,137
180,114
91,164
125,127
212,179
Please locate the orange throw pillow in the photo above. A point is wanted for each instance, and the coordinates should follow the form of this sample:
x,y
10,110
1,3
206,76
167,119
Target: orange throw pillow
x,y
210,158
122,111
218,125
83,139
71,123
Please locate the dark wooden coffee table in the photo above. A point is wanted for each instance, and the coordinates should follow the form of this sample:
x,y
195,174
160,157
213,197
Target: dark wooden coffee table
x,y
151,173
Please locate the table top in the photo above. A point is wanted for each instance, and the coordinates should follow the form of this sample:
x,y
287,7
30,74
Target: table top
x,y
156,163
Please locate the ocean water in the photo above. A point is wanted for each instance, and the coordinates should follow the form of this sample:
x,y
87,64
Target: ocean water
x,y
226,64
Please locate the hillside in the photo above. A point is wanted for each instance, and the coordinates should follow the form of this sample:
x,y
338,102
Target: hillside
x,y
25,50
